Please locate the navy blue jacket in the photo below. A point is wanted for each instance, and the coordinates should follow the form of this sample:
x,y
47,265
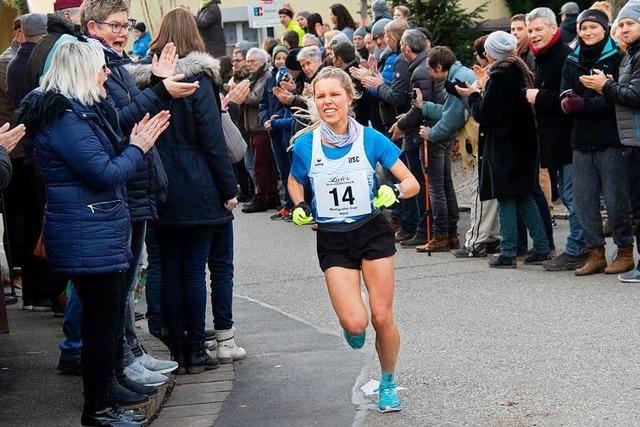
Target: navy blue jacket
x,y
132,104
84,165
193,149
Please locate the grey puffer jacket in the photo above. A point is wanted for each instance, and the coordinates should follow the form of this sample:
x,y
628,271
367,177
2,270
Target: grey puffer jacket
x,y
626,95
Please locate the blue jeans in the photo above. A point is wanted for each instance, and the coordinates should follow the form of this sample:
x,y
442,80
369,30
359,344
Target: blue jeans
x,y
575,240
543,208
415,207
183,256
250,165
282,158
444,204
221,268
152,287
527,209
71,346
131,347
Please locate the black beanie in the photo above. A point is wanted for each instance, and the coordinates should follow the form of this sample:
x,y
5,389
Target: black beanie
x,y
594,15
141,27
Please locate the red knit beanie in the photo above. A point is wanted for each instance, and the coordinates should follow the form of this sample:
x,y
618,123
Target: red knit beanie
x,y
66,4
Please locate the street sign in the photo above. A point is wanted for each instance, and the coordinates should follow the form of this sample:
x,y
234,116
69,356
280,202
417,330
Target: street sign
x,y
263,14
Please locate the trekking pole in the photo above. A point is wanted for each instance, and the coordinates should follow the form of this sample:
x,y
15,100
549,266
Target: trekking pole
x,y
427,198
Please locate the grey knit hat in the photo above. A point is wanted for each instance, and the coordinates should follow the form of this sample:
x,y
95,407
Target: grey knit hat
x,y
34,24
570,8
279,48
378,28
499,44
360,31
379,7
631,10
340,38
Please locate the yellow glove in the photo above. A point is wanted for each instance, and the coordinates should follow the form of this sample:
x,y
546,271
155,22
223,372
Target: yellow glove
x,y
387,197
302,214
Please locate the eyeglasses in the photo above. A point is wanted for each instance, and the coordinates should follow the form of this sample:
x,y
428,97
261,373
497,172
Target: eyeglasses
x,y
117,27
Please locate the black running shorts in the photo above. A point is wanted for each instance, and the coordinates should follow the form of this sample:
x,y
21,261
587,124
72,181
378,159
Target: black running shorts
x,y
347,249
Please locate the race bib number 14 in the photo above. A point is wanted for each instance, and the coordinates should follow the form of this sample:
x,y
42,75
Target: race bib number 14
x,y
340,196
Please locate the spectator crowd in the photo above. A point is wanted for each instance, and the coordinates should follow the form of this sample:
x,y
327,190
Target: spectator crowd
x,y
110,148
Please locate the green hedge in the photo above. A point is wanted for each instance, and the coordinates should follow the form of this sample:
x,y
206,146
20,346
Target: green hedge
x,y
19,5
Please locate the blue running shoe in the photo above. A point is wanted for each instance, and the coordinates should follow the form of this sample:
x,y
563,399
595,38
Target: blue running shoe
x,y
389,400
355,341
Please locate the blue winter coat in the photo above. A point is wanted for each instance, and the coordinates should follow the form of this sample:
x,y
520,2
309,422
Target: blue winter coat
x,y
269,105
132,104
84,165
193,149
451,116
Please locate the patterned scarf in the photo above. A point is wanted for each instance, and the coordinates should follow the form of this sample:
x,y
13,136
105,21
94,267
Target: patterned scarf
x,y
512,59
329,136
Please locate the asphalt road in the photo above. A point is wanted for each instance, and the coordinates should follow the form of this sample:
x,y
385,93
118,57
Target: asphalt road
x,y
479,347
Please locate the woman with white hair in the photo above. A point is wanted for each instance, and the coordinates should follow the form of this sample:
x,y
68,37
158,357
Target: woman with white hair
x,y
84,162
509,167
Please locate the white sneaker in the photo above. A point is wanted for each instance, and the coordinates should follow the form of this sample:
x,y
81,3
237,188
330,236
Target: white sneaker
x,y
157,365
228,351
138,373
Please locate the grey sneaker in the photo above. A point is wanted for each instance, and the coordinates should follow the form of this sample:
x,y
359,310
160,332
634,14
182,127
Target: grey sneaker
x,y
138,373
565,262
157,365
632,276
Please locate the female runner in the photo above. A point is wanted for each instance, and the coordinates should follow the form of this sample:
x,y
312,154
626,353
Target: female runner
x,y
337,157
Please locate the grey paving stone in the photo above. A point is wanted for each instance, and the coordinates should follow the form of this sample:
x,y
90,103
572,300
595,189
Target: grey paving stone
x,y
206,387
190,410
206,377
198,421
179,398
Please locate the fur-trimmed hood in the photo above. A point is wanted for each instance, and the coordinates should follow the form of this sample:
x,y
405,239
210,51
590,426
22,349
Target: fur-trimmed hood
x,y
191,65
39,110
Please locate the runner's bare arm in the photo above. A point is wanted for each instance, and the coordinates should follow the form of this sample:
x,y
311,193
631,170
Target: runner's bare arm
x,y
408,186
296,191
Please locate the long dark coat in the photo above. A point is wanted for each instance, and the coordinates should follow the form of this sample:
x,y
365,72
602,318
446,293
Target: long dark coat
x,y
508,164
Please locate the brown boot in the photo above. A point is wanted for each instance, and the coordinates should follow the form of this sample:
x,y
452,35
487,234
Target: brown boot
x,y
454,243
622,263
596,262
437,244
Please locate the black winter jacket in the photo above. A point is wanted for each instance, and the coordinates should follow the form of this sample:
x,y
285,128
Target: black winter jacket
x,y
209,22
431,91
625,93
508,163
193,149
554,127
56,28
594,128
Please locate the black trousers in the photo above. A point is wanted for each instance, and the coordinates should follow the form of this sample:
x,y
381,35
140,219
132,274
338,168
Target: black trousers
x,y
101,297
24,204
